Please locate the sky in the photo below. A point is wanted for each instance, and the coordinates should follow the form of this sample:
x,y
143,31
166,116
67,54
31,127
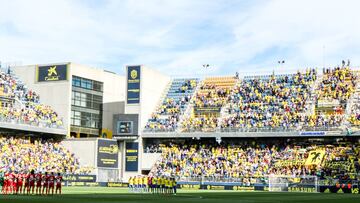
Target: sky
x,y
178,36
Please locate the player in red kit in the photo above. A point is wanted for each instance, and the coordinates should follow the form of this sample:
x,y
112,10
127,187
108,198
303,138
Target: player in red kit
x,y
31,182
19,183
45,186
51,183
6,183
15,182
38,179
58,180
26,185
11,180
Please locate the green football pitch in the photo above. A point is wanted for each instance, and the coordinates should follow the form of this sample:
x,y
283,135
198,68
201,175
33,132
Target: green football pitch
x,y
114,195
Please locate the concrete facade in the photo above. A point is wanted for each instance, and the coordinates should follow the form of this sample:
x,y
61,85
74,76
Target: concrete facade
x,y
57,94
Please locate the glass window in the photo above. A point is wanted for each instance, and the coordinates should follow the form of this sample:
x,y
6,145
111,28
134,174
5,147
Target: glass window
x,y
75,118
98,98
83,96
87,84
85,119
98,86
76,81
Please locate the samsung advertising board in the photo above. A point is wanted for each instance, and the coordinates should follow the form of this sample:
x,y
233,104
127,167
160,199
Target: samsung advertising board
x,y
132,156
51,73
107,155
133,84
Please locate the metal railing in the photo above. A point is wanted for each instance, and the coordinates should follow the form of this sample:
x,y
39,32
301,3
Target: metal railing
x,y
38,123
264,180
248,130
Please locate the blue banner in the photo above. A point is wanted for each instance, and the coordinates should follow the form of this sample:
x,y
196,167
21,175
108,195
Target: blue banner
x,y
51,73
133,84
131,156
108,153
312,133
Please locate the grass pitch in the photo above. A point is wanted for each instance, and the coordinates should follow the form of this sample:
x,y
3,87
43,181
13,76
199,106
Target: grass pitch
x,y
115,195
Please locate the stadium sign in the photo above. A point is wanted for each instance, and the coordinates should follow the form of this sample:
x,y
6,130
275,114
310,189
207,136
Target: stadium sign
x,y
117,184
107,154
51,73
133,84
243,188
80,178
131,156
85,184
312,133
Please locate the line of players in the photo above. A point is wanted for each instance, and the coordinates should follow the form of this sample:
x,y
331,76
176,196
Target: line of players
x,y
31,183
155,185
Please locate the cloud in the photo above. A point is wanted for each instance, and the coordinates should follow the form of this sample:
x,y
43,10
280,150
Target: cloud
x,y
179,36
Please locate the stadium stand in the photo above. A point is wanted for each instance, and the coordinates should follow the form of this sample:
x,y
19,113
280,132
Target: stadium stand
x,y
246,159
18,154
337,84
22,105
275,101
168,114
333,93
209,99
304,101
354,118
353,106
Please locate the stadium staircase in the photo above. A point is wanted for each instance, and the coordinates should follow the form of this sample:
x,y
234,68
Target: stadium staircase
x,y
224,82
310,104
224,113
188,110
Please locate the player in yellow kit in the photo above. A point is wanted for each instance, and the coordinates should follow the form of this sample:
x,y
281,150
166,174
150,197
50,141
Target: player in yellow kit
x,y
145,184
163,187
174,185
167,185
140,183
136,183
154,184
131,184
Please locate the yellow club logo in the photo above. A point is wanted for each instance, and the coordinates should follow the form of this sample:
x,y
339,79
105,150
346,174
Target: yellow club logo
x,y
114,149
133,74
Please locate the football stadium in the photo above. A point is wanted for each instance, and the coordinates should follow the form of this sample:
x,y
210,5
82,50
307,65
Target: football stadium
x,y
105,114
66,132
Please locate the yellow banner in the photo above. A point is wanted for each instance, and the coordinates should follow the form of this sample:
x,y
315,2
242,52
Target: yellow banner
x,y
315,157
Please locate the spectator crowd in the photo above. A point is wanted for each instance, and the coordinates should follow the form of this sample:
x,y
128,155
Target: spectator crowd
x,y
168,114
209,99
17,154
30,110
338,83
300,101
251,159
275,101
